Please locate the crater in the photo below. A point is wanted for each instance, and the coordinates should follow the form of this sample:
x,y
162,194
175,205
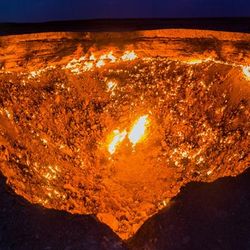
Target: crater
x,y
114,124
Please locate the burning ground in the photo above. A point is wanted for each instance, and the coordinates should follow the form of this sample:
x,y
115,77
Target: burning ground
x,y
116,130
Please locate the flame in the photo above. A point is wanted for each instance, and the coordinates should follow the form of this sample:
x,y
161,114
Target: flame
x,y
195,61
82,58
103,57
199,61
135,135
88,66
117,139
138,130
129,56
246,72
92,58
100,63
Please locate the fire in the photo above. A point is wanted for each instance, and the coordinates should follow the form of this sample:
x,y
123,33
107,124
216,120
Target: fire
x,y
246,72
135,135
138,130
129,56
117,139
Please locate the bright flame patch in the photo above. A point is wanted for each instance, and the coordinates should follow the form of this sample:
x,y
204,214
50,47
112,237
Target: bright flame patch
x,y
92,58
135,135
246,72
129,56
138,130
117,139
88,66
100,63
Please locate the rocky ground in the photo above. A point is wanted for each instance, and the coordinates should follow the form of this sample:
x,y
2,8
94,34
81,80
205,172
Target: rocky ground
x,y
59,115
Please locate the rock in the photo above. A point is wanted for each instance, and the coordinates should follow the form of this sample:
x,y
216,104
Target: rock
x,y
108,219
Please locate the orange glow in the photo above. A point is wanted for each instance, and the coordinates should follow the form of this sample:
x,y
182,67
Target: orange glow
x,y
118,137
138,130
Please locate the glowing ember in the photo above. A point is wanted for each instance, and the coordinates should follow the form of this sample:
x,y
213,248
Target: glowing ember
x,y
129,56
117,139
138,130
246,72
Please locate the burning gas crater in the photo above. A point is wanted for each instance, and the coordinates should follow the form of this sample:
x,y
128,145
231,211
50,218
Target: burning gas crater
x,y
118,135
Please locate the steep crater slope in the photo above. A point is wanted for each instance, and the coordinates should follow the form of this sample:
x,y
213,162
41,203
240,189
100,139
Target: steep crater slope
x,y
114,124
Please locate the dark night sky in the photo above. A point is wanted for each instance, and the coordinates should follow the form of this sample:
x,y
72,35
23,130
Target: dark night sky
x,y
45,10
